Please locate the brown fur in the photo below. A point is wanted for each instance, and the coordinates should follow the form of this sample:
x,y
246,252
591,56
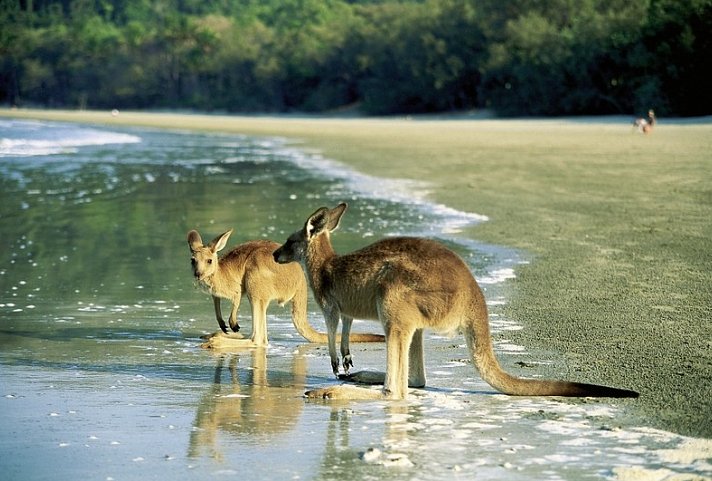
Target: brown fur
x,y
408,284
249,268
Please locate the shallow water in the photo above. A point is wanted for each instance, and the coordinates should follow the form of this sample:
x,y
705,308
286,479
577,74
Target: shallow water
x,y
103,376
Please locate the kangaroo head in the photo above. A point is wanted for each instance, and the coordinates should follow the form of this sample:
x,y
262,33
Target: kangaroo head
x,y
204,259
321,222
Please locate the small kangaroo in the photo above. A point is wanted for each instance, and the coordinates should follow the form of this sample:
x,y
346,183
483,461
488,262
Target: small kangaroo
x,y
408,284
250,268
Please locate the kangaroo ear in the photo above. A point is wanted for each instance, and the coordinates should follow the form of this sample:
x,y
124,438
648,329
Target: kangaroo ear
x,y
334,217
219,242
195,242
316,222
324,219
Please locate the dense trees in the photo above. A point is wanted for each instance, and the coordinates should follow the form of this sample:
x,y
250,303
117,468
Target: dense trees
x,y
518,57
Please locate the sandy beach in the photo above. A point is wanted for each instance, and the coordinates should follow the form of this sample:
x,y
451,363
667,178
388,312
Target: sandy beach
x,y
615,225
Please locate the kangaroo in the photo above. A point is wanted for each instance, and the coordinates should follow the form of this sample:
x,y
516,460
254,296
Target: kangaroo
x,y
645,125
408,284
250,268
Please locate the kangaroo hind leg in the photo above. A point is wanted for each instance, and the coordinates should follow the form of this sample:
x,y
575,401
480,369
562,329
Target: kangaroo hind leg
x,y
416,367
259,321
398,345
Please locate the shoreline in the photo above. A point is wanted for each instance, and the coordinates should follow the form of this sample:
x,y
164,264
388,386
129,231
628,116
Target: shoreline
x,y
619,283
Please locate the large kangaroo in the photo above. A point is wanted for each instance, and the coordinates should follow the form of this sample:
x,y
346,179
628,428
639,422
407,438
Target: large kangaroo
x,y
250,268
408,284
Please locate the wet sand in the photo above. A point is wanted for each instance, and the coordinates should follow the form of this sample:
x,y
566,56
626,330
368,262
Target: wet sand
x,y
616,224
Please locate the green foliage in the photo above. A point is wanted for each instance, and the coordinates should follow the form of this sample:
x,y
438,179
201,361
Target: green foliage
x,y
542,57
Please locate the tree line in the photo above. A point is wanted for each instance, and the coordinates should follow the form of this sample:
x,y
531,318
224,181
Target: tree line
x,y
515,57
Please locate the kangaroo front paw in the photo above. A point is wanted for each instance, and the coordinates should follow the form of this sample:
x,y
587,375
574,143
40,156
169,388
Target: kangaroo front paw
x,y
235,327
348,363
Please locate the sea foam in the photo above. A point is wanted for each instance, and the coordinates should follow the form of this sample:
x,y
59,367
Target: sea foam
x,y
42,139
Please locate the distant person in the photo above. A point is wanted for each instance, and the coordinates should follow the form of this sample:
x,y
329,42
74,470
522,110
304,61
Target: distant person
x,y
645,125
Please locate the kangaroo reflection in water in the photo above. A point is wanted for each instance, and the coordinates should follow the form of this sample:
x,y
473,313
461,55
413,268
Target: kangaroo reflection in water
x,y
251,404
248,402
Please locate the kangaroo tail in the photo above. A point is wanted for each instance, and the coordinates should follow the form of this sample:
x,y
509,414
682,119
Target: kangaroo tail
x,y
322,338
363,337
301,323
477,336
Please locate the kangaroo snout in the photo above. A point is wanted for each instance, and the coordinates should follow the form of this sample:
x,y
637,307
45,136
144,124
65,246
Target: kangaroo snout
x,y
278,256
198,273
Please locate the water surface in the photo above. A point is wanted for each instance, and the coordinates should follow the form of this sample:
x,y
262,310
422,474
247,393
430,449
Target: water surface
x,y
102,373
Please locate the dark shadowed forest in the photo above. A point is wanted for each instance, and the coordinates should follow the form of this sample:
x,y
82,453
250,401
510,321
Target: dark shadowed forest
x,y
514,57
